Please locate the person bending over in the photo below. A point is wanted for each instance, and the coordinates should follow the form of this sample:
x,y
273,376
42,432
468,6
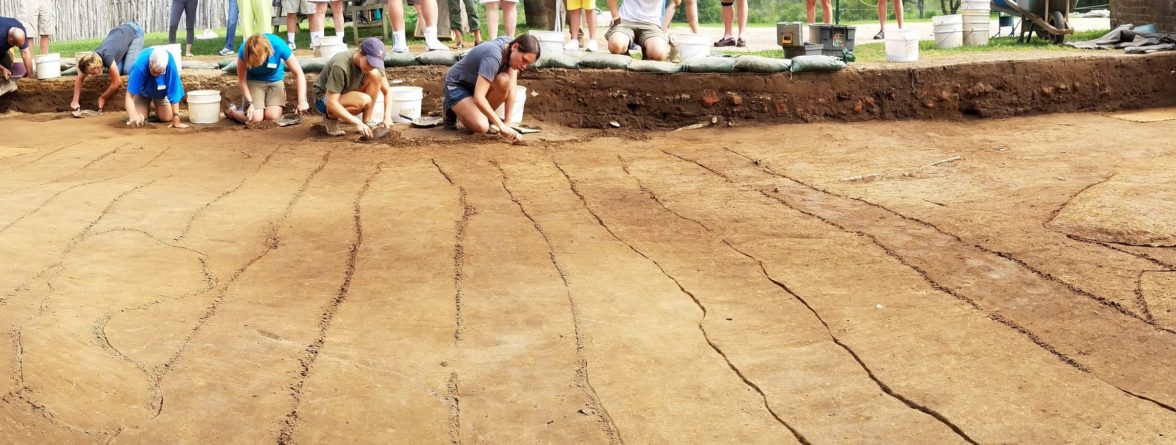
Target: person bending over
x,y
484,79
348,86
118,51
261,64
154,83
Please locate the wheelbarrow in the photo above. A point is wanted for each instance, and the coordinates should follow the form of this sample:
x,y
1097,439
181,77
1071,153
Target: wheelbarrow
x,y
1049,18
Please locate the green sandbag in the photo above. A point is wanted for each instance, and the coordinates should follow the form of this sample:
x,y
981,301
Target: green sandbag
x,y
230,68
803,64
710,64
222,64
197,65
653,66
312,64
442,57
397,60
564,61
605,61
70,71
758,64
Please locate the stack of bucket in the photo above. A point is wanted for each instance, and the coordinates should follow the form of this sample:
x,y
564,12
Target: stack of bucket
x,y
976,19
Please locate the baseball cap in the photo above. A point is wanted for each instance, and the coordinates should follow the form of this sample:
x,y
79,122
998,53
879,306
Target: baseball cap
x,y
373,49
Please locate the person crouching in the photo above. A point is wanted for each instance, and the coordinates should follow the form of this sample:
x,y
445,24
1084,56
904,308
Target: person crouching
x,y
348,86
154,82
261,64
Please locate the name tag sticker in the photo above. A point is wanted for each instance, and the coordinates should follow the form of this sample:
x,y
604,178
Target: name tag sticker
x,y
272,65
160,87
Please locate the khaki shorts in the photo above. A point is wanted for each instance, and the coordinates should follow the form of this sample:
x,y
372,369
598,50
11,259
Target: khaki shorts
x,y
267,94
637,32
143,101
39,13
304,7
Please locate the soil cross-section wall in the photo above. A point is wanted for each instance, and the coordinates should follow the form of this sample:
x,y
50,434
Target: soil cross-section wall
x,y
593,98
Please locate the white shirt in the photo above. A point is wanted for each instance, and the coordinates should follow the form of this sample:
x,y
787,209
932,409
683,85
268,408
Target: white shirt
x,y
644,11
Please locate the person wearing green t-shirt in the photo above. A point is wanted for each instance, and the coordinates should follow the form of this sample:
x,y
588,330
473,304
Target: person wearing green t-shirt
x,y
348,86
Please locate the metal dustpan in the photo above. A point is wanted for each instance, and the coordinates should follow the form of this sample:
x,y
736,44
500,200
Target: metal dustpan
x,y
423,121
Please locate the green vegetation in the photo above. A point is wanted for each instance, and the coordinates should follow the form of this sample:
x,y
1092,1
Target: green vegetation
x,y
877,52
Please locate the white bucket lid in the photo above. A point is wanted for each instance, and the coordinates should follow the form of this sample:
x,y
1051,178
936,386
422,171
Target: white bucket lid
x,y
406,93
50,57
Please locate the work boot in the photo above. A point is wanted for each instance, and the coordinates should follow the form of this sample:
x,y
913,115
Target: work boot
x,y
333,127
449,121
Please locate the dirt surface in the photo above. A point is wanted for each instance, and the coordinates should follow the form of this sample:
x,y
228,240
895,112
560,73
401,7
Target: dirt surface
x,y
957,87
878,282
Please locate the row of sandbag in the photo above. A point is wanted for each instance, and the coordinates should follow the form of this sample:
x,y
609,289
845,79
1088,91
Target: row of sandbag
x,y
710,64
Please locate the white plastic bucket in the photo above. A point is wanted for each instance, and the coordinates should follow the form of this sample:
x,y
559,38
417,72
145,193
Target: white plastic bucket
x,y
949,31
902,45
976,27
204,106
328,46
692,45
406,101
48,65
378,108
550,42
174,49
975,5
516,115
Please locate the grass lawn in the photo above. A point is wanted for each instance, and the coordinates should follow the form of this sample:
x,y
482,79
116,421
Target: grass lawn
x,y
877,52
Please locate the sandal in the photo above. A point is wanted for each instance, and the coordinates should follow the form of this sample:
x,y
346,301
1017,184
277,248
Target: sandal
x,y
740,42
725,41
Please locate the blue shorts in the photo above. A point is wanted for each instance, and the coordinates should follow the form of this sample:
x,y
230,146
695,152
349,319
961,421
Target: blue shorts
x,y
321,106
456,92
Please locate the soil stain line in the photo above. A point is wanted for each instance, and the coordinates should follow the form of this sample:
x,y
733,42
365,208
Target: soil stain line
x,y
582,377
572,185
881,385
200,211
306,363
50,153
271,243
454,402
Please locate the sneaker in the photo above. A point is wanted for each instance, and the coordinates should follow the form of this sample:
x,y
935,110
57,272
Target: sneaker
x,y
333,127
229,52
880,35
725,41
292,46
572,45
400,48
593,46
432,44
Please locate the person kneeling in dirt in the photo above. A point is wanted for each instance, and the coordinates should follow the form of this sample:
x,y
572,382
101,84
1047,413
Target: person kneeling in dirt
x,y
260,72
14,36
118,50
349,84
154,80
638,21
484,79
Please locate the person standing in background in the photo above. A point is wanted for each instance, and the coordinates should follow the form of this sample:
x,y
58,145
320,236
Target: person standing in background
x,y
882,17
187,8
426,12
318,22
39,20
730,9
231,32
292,8
455,21
691,14
810,9
256,16
509,17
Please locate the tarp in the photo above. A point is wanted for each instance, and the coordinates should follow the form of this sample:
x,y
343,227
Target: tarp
x,y
1124,37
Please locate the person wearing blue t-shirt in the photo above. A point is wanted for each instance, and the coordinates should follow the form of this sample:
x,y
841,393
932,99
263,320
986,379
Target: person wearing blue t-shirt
x,y
261,63
484,79
154,81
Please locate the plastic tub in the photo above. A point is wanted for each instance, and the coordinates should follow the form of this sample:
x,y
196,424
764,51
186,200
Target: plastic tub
x,y
328,46
902,45
176,53
692,45
204,106
550,42
48,65
516,115
949,31
406,101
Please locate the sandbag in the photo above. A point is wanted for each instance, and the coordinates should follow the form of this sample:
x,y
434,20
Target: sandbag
x,y
70,71
397,60
197,65
605,61
801,64
653,66
441,57
564,61
312,64
222,64
759,64
711,64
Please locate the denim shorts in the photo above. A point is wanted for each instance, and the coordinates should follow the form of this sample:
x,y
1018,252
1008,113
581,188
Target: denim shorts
x,y
320,104
456,92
